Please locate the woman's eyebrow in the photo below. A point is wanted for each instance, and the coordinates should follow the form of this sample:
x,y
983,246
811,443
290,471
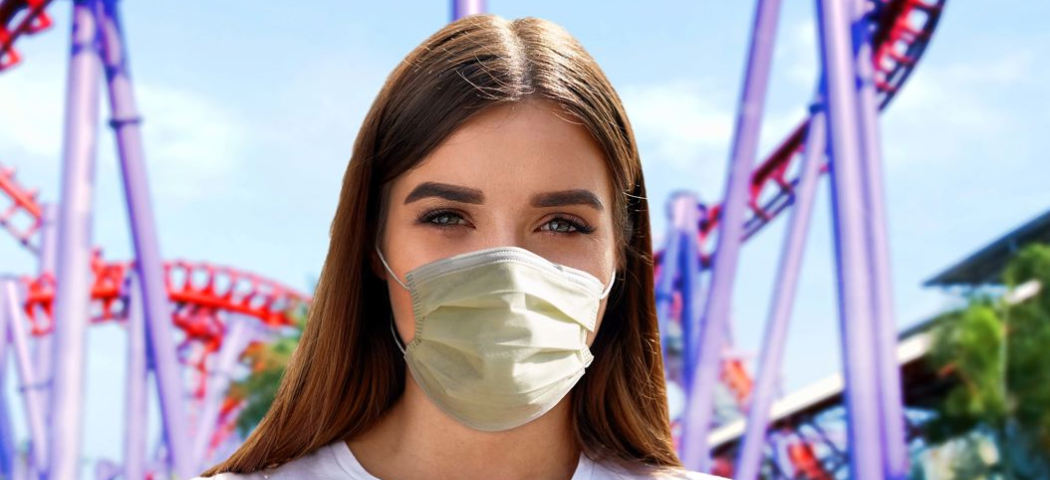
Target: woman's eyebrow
x,y
567,197
462,194
454,193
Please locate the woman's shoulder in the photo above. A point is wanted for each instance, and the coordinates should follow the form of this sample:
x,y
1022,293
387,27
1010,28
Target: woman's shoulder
x,y
675,474
228,476
334,461
232,476
321,464
612,471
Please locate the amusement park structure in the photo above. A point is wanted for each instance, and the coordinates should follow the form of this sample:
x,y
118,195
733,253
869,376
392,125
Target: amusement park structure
x,y
868,49
803,432
190,322
74,287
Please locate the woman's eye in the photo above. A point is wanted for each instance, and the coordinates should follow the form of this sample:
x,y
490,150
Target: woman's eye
x,y
446,219
559,226
442,219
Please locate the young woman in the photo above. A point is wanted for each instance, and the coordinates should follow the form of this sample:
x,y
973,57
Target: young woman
x,y
486,307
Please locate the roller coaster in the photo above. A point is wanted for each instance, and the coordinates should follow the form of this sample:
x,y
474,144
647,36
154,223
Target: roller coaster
x,y
218,312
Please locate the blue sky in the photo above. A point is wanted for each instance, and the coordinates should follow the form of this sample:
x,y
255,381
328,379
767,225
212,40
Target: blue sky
x,y
251,108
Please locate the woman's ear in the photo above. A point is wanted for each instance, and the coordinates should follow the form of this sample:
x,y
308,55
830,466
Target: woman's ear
x,y
373,259
621,262
377,267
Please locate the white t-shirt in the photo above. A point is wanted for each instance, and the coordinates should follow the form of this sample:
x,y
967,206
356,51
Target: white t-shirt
x,y
335,461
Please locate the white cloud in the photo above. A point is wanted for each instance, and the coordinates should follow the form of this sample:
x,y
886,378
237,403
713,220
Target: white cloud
x,y
192,144
946,112
685,131
677,122
319,108
800,51
190,141
31,102
1013,67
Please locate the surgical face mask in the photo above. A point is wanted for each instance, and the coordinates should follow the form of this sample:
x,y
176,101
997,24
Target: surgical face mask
x,y
500,333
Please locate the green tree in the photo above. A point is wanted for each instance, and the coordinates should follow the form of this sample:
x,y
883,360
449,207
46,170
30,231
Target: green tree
x,y
268,361
997,350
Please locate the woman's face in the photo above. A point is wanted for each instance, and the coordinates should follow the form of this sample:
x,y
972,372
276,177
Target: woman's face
x,y
514,175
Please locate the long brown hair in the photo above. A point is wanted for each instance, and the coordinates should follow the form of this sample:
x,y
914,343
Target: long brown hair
x,y
347,371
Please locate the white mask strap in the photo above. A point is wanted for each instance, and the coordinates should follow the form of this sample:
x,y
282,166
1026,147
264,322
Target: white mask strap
x,y
393,331
388,269
609,288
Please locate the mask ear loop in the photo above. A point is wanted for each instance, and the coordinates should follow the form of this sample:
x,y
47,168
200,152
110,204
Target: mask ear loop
x,y
610,287
393,331
389,270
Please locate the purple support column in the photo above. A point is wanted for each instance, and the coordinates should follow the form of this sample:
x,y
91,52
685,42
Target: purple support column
x,y
73,274
783,461
7,438
688,215
847,189
7,432
700,408
105,469
43,343
668,272
136,411
16,330
148,266
749,459
463,8
236,338
894,443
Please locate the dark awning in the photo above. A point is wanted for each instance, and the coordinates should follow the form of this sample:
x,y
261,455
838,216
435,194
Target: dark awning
x,y
986,266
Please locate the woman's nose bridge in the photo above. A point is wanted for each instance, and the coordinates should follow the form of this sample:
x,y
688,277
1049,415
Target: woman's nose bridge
x,y
506,230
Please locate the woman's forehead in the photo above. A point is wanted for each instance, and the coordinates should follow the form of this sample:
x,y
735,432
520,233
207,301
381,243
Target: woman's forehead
x,y
516,149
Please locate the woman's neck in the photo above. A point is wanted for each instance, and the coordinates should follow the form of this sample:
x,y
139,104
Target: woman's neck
x,y
417,440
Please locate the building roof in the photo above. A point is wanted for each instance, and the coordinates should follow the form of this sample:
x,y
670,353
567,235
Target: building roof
x,y
819,395
986,266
